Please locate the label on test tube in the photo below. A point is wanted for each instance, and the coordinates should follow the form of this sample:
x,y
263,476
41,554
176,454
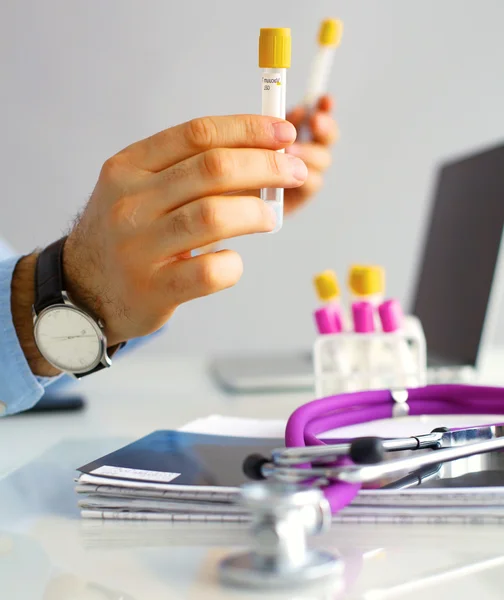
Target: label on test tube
x,y
273,96
272,89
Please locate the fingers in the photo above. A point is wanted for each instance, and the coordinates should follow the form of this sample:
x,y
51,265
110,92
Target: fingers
x,y
200,276
207,221
315,156
181,142
297,116
223,170
324,129
298,197
325,103
322,126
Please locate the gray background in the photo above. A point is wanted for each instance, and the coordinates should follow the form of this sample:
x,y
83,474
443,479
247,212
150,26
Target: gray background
x,y
415,82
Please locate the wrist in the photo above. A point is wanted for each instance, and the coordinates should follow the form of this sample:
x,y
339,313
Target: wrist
x,y
80,278
22,299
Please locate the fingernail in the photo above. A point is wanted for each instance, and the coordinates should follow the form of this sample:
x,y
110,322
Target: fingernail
x,y
284,132
299,169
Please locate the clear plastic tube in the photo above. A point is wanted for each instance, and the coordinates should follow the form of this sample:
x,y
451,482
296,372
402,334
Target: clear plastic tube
x,y
329,39
274,60
274,84
319,76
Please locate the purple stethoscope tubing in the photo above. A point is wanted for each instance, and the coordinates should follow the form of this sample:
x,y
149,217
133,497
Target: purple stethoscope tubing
x,y
333,412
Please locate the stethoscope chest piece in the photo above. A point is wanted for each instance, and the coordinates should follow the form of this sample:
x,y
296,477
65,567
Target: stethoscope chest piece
x,y
283,516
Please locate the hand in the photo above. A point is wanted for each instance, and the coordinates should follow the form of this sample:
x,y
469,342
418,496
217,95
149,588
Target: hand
x,y
128,259
315,153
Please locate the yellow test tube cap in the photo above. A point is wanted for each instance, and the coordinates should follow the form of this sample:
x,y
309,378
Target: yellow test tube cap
x,y
366,280
275,48
331,31
326,286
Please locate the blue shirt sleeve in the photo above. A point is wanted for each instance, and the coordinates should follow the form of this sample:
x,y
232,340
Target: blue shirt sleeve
x,y
19,388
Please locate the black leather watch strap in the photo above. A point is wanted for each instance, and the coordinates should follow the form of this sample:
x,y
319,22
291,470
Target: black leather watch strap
x,y
98,367
49,276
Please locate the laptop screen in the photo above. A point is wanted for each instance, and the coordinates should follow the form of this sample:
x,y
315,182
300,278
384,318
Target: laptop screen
x,y
460,255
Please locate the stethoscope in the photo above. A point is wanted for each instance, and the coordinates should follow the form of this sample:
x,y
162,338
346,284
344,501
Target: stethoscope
x,y
310,479
340,467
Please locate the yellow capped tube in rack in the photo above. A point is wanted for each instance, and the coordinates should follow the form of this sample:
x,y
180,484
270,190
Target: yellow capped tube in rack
x,y
329,317
274,59
326,286
367,281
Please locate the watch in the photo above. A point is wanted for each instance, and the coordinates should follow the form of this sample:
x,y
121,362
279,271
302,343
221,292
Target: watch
x,y
68,337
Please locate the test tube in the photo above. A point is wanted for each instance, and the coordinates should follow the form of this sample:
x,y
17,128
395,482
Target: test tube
x,y
392,320
329,320
274,59
329,317
329,38
367,284
363,319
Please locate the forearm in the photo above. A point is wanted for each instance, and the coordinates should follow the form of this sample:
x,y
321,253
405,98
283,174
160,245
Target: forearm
x,y
22,298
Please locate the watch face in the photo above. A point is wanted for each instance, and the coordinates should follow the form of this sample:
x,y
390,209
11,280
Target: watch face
x,y
68,339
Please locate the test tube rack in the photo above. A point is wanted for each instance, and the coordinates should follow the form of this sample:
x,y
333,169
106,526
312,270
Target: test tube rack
x,y
351,362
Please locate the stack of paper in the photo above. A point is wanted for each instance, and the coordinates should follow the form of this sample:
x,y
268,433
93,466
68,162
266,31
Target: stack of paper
x,y
195,474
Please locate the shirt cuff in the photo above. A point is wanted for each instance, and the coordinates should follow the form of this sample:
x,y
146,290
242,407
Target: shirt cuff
x,y
20,389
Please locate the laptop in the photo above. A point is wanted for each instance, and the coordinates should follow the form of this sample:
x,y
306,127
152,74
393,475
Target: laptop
x,y
458,287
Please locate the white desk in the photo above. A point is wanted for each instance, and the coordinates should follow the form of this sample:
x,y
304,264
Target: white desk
x,y
49,553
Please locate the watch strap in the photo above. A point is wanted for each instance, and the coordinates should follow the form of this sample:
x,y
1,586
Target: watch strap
x,y
49,276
